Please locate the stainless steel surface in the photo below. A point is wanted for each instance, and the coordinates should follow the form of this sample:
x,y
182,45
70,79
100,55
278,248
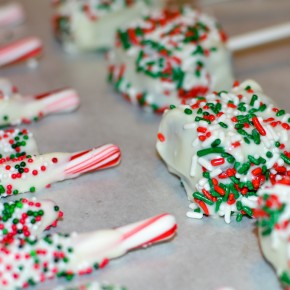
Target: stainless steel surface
x,y
206,254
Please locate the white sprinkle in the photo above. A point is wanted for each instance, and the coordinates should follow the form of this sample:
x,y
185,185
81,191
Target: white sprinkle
x,y
215,172
228,214
205,163
193,165
194,215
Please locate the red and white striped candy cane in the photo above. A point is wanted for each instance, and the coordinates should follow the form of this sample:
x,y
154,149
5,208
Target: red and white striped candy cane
x,y
57,101
20,51
94,159
40,171
145,233
11,14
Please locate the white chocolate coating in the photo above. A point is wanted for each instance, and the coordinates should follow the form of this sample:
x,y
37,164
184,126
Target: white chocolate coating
x,y
67,255
90,25
224,148
16,109
15,142
170,57
274,228
27,218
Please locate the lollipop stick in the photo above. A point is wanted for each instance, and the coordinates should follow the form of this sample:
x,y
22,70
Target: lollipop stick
x,y
259,37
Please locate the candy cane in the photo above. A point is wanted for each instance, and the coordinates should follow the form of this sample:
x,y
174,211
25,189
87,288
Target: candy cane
x,y
67,255
154,230
58,101
20,51
11,14
31,173
16,109
27,218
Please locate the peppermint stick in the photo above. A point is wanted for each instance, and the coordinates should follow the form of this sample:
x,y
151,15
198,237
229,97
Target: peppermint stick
x,y
31,173
16,109
20,51
11,14
30,262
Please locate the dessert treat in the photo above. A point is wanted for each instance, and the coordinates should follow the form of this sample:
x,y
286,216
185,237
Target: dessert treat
x,y
274,228
30,173
168,57
15,143
16,109
36,260
11,14
91,24
224,146
27,218
24,50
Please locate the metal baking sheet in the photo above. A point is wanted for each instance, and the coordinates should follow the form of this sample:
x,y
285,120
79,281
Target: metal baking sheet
x,y
206,254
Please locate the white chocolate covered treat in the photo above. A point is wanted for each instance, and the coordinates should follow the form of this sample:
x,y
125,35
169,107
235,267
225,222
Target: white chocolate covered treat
x,y
15,143
168,57
30,173
25,50
16,108
11,14
224,146
88,25
26,218
32,261
274,228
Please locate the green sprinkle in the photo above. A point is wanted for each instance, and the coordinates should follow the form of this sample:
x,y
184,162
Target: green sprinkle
x,y
216,143
32,189
199,196
269,154
222,124
188,111
285,158
207,151
280,113
253,99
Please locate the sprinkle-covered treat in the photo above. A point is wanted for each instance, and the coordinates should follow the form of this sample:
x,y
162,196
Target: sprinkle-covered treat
x,y
274,228
11,14
16,109
15,143
91,24
24,50
28,262
168,57
224,147
30,173
25,218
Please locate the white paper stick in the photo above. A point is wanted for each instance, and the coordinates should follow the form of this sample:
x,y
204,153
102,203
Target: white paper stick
x,y
259,37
